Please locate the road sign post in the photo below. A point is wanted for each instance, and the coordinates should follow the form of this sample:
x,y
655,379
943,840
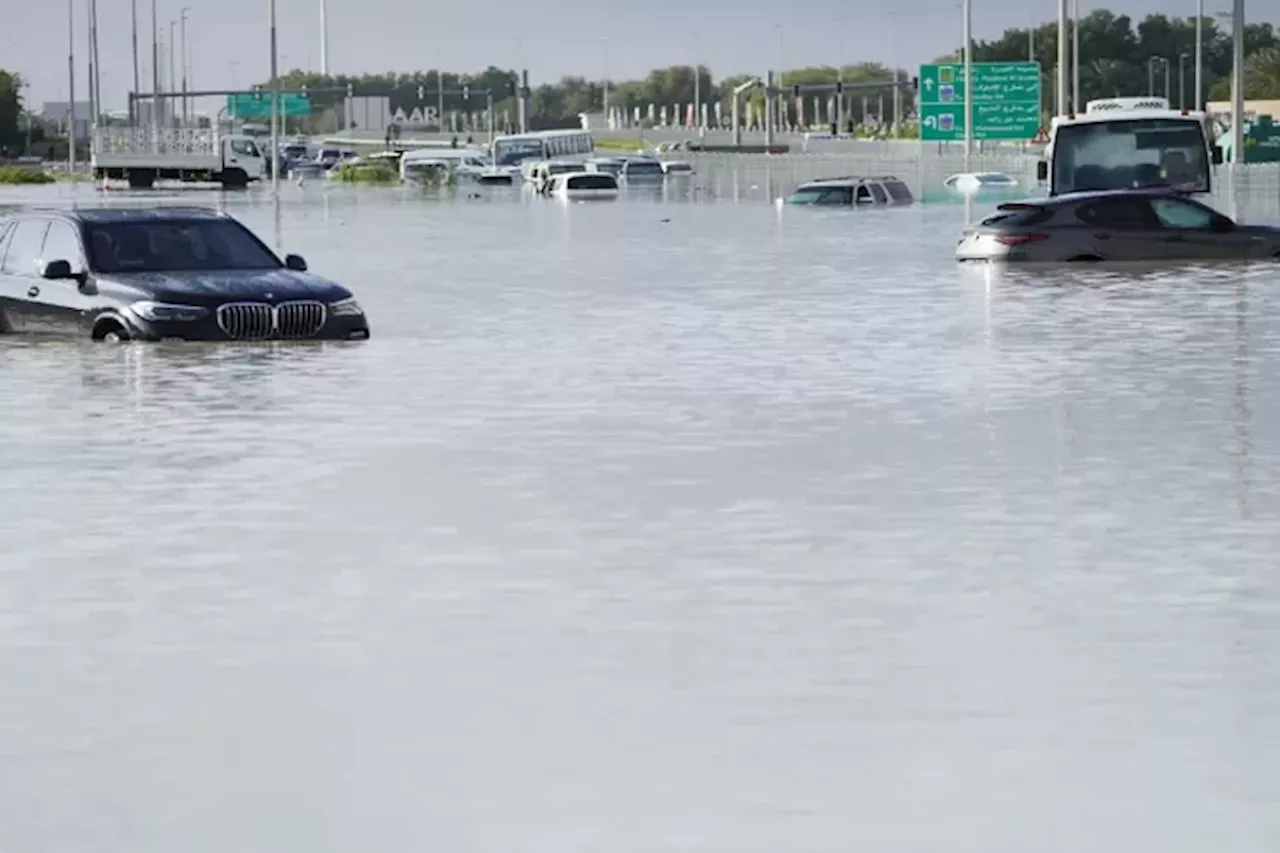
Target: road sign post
x,y
1006,101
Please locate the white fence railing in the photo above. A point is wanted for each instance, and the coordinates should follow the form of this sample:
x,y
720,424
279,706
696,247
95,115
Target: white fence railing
x,y
160,141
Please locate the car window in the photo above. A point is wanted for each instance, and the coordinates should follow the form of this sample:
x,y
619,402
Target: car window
x,y
898,191
879,194
834,195
245,147
62,243
864,194
24,246
1120,213
1173,213
143,246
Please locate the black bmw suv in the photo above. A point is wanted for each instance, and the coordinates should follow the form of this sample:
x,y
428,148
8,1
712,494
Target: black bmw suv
x,y
158,274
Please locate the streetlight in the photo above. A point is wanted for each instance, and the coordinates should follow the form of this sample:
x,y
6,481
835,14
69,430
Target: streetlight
x,y
1182,81
173,78
185,105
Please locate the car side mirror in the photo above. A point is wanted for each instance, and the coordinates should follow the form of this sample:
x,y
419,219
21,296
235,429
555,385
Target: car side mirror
x,y
1221,225
1042,170
295,263
57,270
1216,155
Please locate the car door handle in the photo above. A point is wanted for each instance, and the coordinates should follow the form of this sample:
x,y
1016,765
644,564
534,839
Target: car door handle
x,y
1102,235
33,292
1178,238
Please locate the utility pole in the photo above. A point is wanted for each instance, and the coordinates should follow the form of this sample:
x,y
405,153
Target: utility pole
x,y
93,106
71,85
155,67
968,81
275,103
1237,86
173,78
324,38
133,103
183,32
1199,51
1062,56
1075,56
97,61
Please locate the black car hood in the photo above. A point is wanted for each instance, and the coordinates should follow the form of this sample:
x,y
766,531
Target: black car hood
x,y
276,285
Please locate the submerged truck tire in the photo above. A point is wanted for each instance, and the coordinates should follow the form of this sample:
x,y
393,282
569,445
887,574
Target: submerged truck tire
x,y
233,179
141,179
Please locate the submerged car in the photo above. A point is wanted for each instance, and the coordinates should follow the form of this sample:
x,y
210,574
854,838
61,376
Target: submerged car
x,y
883,190
983,185
1156,224
158,274
584,186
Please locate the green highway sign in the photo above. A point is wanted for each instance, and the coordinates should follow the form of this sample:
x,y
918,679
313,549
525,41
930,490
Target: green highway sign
x,y
1006,101
258,105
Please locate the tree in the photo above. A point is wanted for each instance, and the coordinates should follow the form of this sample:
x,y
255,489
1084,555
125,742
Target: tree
x,y
11,135
1261,78
1119,58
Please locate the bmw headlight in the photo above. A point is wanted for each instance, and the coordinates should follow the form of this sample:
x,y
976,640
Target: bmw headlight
x,y
160,312
345,308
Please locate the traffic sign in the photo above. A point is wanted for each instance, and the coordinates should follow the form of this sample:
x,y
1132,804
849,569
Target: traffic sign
x,y
258,105
1006,101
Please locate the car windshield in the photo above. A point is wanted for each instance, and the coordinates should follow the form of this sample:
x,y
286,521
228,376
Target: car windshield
x,y
591,182
175,245
513,153
1124,154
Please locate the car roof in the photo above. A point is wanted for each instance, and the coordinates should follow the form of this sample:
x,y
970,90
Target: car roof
x,y
850,180
98,215
1098,195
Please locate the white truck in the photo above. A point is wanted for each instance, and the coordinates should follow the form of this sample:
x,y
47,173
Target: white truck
x,y
1118,143
143,155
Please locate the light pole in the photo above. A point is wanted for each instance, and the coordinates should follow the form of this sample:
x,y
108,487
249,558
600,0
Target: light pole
x,y
155,67
604,66
1062,56
1075,56
1167,64
275,102
1182,81
324,38
1237,85
185,105
1199,52
133,104
71,86
173,78
968,81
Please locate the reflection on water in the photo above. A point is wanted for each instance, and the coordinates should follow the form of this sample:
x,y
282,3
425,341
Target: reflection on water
x,y
647,527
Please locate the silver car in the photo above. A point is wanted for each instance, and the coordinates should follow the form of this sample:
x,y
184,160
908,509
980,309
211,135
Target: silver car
x,y
1157,224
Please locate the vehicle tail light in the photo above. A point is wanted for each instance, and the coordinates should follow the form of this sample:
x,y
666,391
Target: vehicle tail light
x,y
1020,239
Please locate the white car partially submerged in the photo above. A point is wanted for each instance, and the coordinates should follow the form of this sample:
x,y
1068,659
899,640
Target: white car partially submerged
x,y
981,183
584,186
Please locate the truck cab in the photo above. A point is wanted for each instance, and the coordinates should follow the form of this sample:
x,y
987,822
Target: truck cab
x,y
1123,143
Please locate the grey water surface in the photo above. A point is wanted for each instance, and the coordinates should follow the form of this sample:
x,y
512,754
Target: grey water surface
x,y
652,528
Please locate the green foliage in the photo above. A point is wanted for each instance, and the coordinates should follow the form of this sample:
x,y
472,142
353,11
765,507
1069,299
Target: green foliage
x,y
1115,54
1261,78
367,173
24,175
11,137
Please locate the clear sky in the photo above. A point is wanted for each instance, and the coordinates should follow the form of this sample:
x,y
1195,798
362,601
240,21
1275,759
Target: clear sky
x,y
229,44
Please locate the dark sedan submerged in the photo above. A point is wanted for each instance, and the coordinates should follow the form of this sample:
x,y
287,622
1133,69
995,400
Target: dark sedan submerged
x,y
1146,224
158,274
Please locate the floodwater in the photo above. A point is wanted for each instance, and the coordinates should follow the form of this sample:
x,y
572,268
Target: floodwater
x,y
653,528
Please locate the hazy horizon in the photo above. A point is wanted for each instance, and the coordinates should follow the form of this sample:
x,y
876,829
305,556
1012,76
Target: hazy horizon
x,y
636,40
